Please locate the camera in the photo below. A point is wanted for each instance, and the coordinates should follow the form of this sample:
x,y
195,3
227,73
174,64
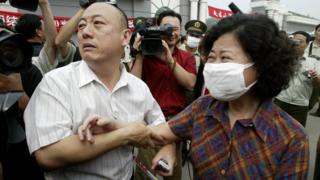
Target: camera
x,y
30,5
163,166
307,74
15,53
151,43
86,3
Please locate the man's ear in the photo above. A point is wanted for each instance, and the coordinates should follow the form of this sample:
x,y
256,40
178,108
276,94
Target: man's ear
x,y
126,36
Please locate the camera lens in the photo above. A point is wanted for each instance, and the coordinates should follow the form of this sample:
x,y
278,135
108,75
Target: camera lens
x,y
11,54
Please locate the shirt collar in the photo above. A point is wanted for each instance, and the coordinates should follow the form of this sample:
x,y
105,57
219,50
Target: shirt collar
x,y
86,76
261,122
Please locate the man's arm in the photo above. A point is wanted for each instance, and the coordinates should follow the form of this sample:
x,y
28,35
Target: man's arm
x,y
185,78
71,150
50,31
66,32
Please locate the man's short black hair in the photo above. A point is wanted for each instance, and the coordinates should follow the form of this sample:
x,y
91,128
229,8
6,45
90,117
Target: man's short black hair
x,y
305,34
27,25
168,13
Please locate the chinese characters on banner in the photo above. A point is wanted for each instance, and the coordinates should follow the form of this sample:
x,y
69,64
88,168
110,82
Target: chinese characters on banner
x,y
218,13
10,19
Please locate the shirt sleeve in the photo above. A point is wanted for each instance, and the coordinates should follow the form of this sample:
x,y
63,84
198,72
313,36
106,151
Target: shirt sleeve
x,y
181,124
69,57
295,161
42,62
47,118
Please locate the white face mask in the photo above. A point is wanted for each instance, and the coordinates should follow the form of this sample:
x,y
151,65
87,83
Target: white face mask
x,y
193,42
225,81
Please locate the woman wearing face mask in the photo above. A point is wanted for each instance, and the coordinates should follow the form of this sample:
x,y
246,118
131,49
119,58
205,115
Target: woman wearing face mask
x,y
237,132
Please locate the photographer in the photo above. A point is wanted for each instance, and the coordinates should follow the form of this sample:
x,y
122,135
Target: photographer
x,y
41,34
295,99
167,75
22,77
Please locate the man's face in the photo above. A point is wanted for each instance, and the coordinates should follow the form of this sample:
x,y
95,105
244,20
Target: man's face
x,y
100,34
302,43
174,21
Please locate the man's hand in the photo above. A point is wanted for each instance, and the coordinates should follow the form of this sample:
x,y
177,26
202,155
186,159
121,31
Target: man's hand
x,y
95,124
136,133
166,55
43,2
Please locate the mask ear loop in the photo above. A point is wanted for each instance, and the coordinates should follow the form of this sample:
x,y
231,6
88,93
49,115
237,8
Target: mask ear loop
x,y
245,67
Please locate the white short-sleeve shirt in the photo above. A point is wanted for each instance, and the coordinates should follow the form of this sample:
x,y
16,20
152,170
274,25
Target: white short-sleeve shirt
x,y
67,96
300,86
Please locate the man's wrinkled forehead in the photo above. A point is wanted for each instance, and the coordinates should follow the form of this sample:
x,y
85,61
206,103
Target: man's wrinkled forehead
x,y
101,8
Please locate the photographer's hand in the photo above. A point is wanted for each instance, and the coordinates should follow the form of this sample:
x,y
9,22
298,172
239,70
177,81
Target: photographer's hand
x,y
137,43
167,56
10,82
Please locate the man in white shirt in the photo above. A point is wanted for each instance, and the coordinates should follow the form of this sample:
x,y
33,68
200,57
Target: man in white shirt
x,y
99,85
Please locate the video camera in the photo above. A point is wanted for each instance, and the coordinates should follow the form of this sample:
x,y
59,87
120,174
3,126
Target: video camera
x,y
15,53
30,5
86,3
151,43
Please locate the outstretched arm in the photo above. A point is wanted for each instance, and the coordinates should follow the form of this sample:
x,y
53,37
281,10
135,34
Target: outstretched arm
x,y
50,31
66,32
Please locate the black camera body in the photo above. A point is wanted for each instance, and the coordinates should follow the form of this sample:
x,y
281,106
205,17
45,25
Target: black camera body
x,y
86,3
30,5
151,42
15,53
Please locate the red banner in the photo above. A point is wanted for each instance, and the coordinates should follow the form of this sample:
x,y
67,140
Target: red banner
x,y
10,19
218,13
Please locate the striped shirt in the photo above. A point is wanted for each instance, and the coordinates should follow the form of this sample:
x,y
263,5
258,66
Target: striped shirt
x,y
272,145
67,96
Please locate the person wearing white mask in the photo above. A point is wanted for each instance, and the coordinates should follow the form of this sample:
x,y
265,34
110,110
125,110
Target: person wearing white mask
x,y
237,132
195,31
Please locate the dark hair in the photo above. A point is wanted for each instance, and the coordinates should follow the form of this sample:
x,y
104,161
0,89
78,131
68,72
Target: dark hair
x,y
305,34
317,27
27,25
168,13
264,44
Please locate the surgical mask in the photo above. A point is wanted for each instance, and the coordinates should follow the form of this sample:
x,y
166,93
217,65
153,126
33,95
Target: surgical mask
x,y
193,42
225,81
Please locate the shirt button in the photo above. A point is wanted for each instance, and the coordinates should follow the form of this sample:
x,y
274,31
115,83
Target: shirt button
x,y
223,172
